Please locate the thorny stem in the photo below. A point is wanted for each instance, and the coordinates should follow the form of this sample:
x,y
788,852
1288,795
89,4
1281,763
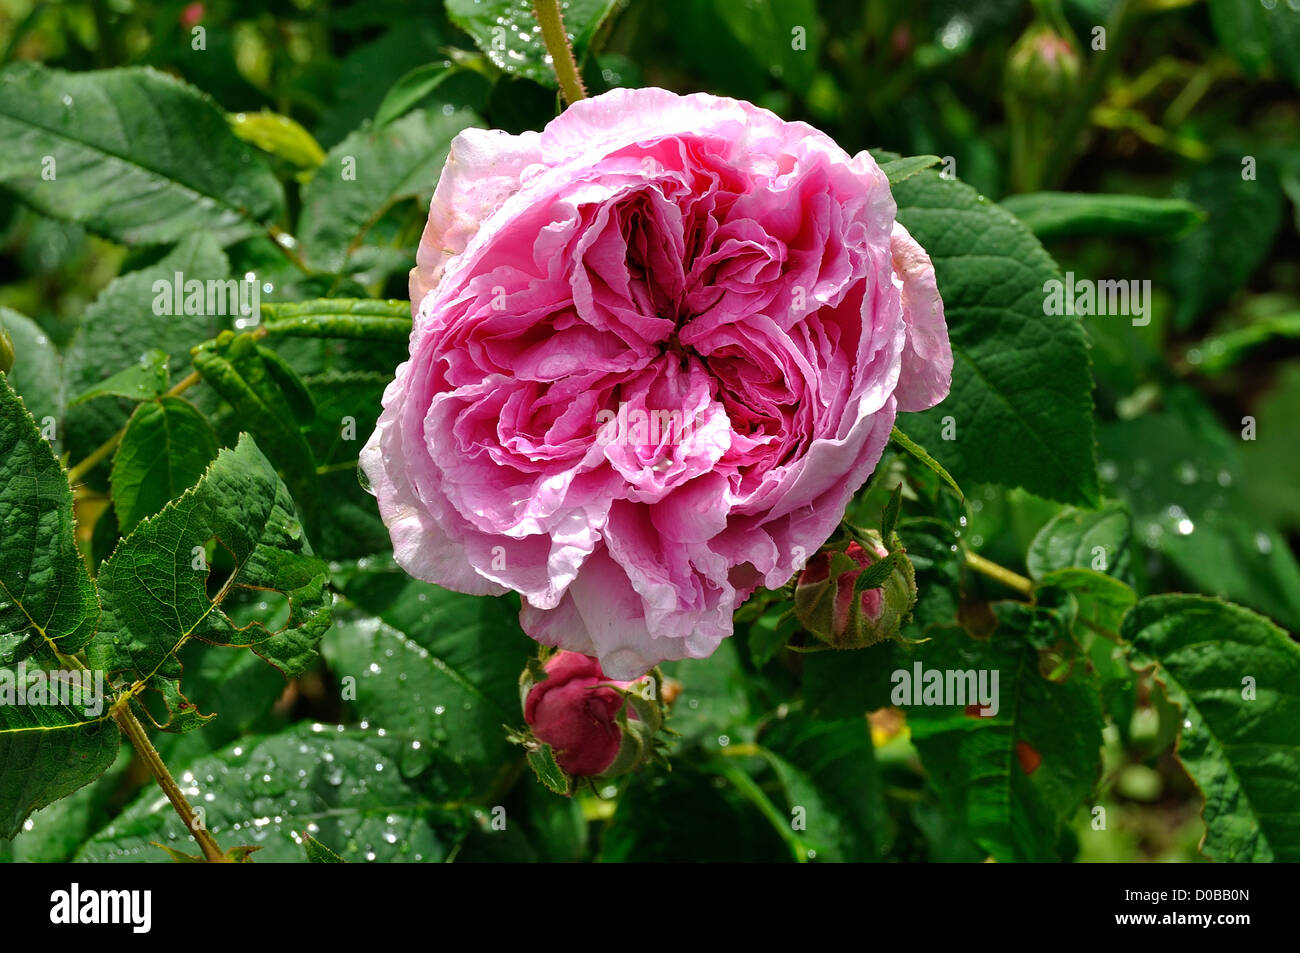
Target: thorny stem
x,y
104,450
131,726
557,44
1003,575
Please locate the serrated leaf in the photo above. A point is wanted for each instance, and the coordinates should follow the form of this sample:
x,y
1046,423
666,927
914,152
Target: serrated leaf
x,y
1243,753
140,156
898,170
48,748
547,770
1098,539
1021,391
366,174
828,769
122,325
318,853
37,371
1010,779
158,589
1072,214
357,319
341,787
167,446
434,667
237,369
505,31
144,380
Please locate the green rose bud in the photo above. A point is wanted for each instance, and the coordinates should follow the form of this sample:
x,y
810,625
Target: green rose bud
x,y
846,603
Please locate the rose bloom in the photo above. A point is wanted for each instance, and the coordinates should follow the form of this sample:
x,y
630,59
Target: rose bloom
x,y
648,254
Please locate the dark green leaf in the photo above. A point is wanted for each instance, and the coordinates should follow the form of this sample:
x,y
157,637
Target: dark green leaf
x,y
1236,677
167,446
140,156
1021,401
352,318
1070,214
142,381
507,32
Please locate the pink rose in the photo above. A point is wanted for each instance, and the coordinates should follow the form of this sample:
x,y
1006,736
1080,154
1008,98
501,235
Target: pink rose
x,y
657,347
574,711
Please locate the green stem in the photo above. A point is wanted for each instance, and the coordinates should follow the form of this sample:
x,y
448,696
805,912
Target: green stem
x,y
557,44
1003,575
132,728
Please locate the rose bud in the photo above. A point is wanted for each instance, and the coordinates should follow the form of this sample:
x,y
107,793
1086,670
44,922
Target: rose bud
x,y
595,726
824,596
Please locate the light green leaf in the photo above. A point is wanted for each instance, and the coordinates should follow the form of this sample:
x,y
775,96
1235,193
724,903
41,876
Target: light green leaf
x,y
906,443
1070,214
48,606
357,319
280,136
366,174
139,156
343,788
159,588
1021,399
1098,539
142,381
166,448
507,32
407,92
1236,677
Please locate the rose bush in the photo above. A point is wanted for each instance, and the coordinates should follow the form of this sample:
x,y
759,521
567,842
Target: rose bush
x,y
735,284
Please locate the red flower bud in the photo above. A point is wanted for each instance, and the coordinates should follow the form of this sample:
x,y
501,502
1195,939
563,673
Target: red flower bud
x,y
574,710
824,596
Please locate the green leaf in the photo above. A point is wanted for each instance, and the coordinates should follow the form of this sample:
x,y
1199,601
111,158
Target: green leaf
x,y
237,369
1099,539
140,156
125,323
366,174
828,768
434,667
356,319
897,170
1072,214
712,701
53,834
1014,778
280,136
142,381
918,452
1183,478
1102,599
1242,752
1224,351
1212,262
318,853
48,749
889,515
1256,35
407,92
507,32
159,590
343,788
37,371
1021,399
547,770
166,448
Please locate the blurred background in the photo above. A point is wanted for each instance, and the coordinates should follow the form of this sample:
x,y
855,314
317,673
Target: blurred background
x,y
1187,99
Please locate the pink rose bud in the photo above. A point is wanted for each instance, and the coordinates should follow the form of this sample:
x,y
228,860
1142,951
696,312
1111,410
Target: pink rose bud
x,y
191,15
825,602
594,726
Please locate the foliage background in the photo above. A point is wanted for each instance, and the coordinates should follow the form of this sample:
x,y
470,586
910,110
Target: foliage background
x,y
412,768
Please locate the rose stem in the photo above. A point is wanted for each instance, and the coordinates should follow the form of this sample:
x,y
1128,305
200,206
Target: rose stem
x,y
126,719
557,44
1003,575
